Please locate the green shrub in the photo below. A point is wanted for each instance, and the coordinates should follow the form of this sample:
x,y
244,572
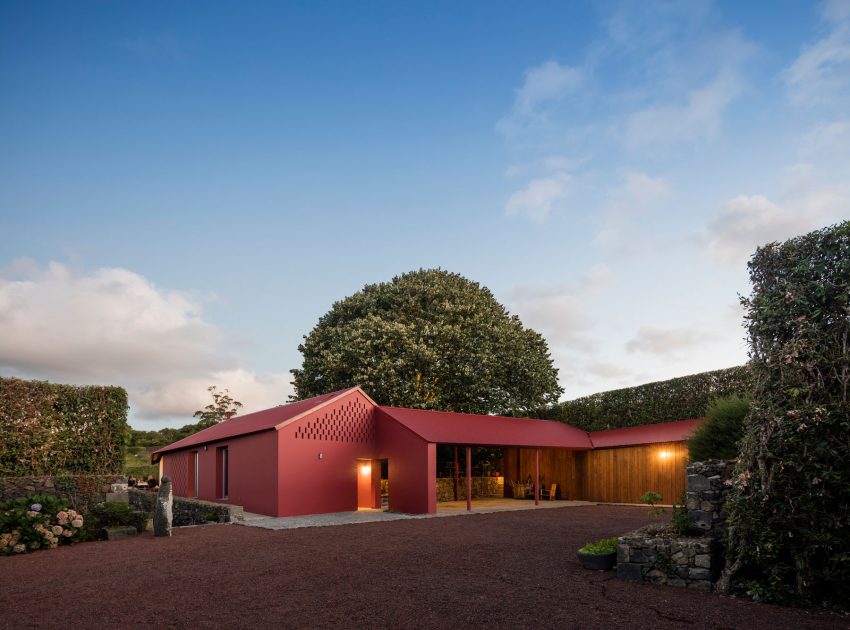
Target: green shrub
x,y
719,437
679,517
651,499
37,522
663,401
789,505
111,514
601,547
50,429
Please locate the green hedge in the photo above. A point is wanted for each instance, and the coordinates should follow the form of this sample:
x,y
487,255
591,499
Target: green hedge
x,y
50,429
789,525
663,401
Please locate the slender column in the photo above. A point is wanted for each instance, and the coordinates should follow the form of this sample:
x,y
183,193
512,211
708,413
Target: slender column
x,y
537,478
468,477
457,475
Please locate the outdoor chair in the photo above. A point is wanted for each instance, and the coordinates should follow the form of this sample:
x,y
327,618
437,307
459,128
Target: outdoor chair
x,y
551,493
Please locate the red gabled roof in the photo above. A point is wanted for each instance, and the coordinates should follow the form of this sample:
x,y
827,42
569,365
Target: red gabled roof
x,y
464,428
253,422
676,431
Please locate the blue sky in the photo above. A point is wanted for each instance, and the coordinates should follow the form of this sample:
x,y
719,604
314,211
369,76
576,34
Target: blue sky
x,y
185,188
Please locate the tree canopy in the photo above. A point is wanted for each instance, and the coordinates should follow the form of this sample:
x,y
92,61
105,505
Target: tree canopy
x,y
428,339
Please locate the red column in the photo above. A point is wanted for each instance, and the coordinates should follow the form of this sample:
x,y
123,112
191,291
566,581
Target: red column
x,y
468,477
537,478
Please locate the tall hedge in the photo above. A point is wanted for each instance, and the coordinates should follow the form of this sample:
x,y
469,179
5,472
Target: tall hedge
x,y
789,534
661,401
48,429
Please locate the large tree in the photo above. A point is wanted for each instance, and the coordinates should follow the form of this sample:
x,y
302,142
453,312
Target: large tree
x,y
429,339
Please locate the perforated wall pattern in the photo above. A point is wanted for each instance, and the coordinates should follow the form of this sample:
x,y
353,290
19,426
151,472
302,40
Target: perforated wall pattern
x,y
352,421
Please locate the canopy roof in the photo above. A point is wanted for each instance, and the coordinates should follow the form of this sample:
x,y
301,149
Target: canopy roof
x,y
464,428
677,431
450,428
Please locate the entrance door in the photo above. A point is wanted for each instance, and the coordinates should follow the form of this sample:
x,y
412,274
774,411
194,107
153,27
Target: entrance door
x,y
368,484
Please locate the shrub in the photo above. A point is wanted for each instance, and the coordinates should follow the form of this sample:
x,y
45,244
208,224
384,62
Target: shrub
x,y
663,401
49,429
679,517
601,547
37,522
111,514
651,499
789,505
720,436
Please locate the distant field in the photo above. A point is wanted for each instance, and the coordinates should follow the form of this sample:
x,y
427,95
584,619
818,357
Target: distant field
x,y
138,462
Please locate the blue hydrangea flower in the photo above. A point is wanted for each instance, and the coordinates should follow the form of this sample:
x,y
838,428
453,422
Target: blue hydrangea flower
x,y
36,507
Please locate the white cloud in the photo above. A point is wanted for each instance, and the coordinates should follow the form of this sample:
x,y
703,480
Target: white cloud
x,y
538,197
748,221
697,118
827,139
113,326
544,86
561,313
822,70
663,341
638,193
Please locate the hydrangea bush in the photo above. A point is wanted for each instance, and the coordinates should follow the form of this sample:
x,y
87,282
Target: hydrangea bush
x,y
37,522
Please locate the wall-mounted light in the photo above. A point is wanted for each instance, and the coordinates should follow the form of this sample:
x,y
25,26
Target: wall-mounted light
x,y
365,469
321,455
665,454
205,447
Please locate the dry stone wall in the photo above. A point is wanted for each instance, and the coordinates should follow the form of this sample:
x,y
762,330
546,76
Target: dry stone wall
x,y
188,511
660,555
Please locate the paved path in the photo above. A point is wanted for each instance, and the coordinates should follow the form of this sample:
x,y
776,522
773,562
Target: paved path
x,y
451,508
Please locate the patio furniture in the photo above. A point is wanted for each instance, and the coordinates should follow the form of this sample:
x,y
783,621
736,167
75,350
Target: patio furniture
x,y
551,493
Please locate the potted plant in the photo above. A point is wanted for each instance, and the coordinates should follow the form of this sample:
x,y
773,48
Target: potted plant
x,y
600,555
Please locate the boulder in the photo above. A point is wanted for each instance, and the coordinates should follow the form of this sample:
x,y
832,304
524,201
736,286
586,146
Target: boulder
x,y
163,509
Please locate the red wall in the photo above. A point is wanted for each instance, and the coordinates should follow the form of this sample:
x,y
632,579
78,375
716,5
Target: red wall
x,y
412,467
252,472
343,432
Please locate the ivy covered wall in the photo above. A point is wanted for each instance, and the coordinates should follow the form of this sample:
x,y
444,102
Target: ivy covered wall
x,y
52,429
789,524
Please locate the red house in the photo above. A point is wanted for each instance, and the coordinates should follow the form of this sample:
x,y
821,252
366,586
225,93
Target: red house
x,y
324,454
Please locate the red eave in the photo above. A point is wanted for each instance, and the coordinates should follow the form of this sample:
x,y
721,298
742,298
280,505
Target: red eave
x,y
677,431
445,427
253,422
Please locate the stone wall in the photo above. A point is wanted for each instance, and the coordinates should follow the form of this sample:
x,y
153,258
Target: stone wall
x,y
708,485
188,511
658,554
78,490
482,487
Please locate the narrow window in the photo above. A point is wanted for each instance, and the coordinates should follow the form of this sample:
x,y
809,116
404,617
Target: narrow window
x,y
221,472
195,474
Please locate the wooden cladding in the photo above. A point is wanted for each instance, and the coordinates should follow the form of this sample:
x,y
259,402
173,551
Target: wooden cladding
x,y
609,475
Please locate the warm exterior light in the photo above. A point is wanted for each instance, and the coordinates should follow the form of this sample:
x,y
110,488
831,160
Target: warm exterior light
x,y
665,454
365,469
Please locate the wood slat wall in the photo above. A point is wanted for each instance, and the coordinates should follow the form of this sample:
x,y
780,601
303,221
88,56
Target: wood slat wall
x,y
615,475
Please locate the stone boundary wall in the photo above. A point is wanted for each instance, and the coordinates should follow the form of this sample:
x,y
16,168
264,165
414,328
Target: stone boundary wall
x,y
188,511
78,490
658,554
708,487
482,487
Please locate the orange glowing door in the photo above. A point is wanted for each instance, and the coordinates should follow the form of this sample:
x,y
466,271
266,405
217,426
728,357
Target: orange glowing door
x,y
368,484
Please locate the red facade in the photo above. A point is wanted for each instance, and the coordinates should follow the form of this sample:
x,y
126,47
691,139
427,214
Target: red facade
x,y
324,454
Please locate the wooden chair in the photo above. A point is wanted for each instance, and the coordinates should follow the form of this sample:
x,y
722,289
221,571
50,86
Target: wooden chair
x,y
551,493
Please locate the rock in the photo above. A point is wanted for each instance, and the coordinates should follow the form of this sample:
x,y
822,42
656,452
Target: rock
x,y
117,533
622,553
677,582
698,482
117,497
699,574
163,510
703,560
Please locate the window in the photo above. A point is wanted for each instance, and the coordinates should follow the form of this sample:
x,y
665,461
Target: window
x,y
195,476
221,477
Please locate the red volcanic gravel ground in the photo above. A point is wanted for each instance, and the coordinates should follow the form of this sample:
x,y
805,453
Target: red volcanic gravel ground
x,y
505,570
